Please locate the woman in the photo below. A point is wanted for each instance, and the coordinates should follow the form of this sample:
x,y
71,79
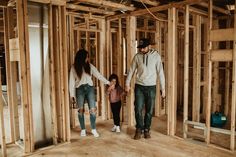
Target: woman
x,y
81,88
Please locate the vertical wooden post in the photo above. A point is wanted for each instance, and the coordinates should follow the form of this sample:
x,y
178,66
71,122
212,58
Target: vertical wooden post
x,y
52,76
102,51
158,105
232,135
22,24
215,75
227,77
3,138
171,95
186,68
65,74
209,47
11,75
196,70
131,47
205,75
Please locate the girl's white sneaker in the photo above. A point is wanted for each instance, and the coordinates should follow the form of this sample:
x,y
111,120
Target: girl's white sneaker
x,y
118,129
114,128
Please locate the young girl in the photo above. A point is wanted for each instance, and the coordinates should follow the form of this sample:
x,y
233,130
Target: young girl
x,y
81,88
115,92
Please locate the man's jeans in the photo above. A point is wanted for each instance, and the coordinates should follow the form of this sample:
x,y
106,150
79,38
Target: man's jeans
x,y
86,92
144,97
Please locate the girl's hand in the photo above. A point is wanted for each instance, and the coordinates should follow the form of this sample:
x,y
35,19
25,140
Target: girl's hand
x,y
73,100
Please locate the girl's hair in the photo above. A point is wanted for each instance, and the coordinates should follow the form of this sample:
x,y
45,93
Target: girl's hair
x,y
80,63
114,76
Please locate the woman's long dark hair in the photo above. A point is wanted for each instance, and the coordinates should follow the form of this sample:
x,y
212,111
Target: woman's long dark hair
x,y
114,76
80,63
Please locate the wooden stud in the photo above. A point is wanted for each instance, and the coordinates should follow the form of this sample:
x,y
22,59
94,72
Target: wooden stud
x,y
11,76
65,74
227,76
186,68
102,50
3,137
196,70
171,95
22,24
209,47
233,108
131,49
52,76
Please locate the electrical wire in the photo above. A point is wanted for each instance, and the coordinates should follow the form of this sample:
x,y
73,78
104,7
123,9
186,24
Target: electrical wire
x,y
158,19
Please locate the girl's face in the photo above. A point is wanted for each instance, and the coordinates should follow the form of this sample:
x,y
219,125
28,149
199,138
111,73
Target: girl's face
x,y
113,81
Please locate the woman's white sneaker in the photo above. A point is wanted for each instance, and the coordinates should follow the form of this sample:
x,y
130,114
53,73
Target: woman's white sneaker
x,y
95,133
83,133
114,128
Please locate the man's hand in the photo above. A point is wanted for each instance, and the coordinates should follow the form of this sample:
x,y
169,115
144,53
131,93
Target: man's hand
x,y
127,88
163,94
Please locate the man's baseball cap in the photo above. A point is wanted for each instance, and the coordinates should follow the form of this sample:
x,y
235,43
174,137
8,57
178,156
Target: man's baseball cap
x,y
144,42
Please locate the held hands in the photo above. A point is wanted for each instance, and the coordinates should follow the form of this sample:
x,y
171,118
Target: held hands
x,y
127,88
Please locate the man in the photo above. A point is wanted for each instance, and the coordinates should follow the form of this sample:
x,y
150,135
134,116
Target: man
x,y
148,65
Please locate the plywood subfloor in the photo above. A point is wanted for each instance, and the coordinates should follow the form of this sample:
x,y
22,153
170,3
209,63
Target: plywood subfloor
x,y
122,145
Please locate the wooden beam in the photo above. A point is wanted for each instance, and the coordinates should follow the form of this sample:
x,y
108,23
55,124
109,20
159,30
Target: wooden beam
x,y
53,2
222,34
3,137
165,7
106,3
22,27
172,64
131,50
52,76
196,70
149,2
186,68
88,9
102,50
215,8
227,77
233,101
221,55
215,75
209,73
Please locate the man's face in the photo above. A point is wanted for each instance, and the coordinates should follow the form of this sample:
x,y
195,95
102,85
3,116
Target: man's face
x,y
144,50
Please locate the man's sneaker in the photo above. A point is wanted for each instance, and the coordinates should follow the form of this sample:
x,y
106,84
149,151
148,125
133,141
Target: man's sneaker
x,y
83,133
137,135
117,128
114,128
95,133
147,133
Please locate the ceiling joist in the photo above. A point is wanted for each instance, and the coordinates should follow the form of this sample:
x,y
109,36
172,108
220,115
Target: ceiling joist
x,y
149,2
89,9
108,4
